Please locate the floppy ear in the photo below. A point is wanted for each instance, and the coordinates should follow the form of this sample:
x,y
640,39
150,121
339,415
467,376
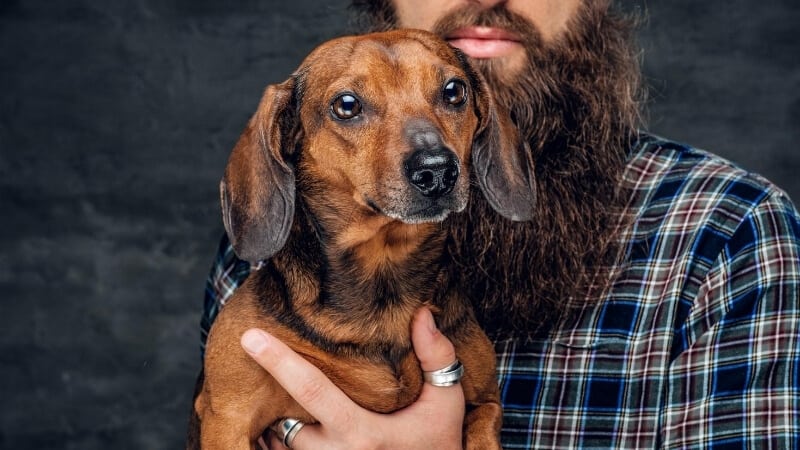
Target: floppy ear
x,y
504,167
258,189
502,161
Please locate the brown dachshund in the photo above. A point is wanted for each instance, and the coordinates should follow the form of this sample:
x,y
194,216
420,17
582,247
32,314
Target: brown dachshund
x,y
337,185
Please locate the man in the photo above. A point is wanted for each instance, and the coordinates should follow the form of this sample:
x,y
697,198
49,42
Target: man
x,y
653,302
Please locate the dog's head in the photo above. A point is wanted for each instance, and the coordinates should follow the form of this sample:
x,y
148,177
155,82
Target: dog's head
x,y
387,122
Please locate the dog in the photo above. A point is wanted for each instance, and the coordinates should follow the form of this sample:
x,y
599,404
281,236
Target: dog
x,y
336,190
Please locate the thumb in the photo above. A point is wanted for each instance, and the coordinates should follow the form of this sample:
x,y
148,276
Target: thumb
x,y
433,349
441,407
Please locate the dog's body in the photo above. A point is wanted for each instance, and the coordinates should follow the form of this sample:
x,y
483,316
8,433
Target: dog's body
x,y
340,180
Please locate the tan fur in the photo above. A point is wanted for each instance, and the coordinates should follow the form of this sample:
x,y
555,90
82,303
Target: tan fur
x,y
342,170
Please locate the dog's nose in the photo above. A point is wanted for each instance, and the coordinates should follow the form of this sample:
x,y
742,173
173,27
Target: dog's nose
x,y
432,172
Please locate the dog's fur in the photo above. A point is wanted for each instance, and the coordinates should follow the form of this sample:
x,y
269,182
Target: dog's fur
x,y
352,248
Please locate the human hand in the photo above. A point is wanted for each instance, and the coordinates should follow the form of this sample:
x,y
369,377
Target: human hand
x,y
435,420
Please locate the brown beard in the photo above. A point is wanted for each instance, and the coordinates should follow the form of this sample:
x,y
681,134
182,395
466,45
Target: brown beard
x,y
577,102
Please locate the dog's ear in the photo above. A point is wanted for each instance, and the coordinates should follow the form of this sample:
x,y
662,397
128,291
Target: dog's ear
x,y
501,159
258,189
503,165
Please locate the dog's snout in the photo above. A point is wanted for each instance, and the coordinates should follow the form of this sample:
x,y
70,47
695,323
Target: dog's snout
x,y
425,139
423,135
432,168
432,172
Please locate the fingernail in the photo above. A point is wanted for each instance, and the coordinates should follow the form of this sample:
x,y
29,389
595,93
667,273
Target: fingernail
x,y
254,341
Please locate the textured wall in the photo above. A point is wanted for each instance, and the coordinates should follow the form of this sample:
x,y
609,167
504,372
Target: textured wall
x,y
116,119
725,76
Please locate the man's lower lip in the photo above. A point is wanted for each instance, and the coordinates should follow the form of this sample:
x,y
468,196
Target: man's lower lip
x,y
485,48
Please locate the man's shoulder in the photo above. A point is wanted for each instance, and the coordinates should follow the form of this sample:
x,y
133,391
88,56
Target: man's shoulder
x,y
663,170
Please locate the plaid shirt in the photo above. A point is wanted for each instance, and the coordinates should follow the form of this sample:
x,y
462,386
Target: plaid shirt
x,y
697,344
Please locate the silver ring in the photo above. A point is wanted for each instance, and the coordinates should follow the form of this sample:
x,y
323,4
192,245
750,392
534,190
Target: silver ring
x,y
447,376
287,430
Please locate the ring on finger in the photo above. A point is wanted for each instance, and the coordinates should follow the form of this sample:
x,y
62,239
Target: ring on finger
x,y
287,431
447,376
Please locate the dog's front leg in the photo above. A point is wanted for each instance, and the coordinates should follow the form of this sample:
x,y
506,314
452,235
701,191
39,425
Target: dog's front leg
x,y
218,432
238,399
484,416
237,422
482,426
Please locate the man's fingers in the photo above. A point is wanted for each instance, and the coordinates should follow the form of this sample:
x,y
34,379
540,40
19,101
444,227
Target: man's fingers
x,y
301,379
433,349
435,352
343,421
445,405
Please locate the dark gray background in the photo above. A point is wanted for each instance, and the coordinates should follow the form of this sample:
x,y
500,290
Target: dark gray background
x,y
116,119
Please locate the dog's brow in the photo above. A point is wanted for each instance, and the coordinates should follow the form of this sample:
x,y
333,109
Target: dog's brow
x,y
445,72
356,83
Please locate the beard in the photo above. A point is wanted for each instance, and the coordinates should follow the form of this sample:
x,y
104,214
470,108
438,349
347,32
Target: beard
x,y
576,101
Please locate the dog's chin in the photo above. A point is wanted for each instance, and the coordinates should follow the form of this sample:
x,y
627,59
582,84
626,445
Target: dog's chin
x,y
426,212
414,219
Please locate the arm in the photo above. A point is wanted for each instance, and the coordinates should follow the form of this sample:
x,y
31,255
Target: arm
x,y
433,421
227,273
735,378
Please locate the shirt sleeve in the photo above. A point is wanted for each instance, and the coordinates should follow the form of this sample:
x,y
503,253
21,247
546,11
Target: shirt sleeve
x,y
227,273
735,378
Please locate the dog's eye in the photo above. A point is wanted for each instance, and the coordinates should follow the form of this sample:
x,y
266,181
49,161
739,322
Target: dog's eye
x,y
346,106
455,93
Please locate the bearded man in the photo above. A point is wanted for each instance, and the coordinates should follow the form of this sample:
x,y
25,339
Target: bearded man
x,y
654,301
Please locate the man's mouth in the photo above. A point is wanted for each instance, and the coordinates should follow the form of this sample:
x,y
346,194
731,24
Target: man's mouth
x,y
484,42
